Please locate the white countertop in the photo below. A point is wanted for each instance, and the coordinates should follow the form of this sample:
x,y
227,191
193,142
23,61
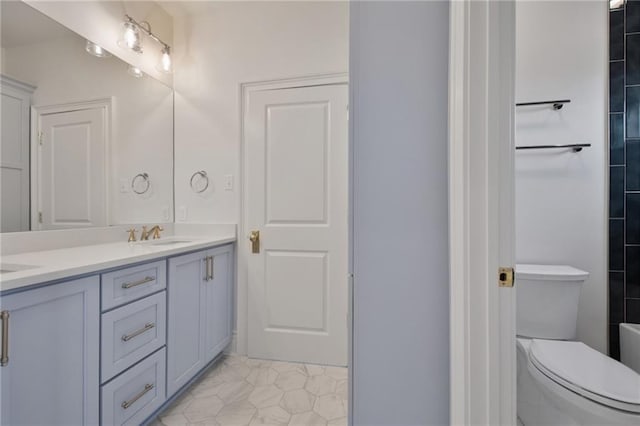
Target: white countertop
x,y
49,265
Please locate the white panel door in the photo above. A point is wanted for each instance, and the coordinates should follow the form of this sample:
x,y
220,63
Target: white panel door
x,y
297,188
14,156
72,169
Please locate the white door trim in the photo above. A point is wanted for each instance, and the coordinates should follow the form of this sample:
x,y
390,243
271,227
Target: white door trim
x,y
239,342
481,152
38,111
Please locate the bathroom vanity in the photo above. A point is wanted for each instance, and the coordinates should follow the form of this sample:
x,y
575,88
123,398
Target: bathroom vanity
x,y
109,333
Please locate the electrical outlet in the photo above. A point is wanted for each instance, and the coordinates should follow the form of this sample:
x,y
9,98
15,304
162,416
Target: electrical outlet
x,y
124,185
182,213
228,182
165,214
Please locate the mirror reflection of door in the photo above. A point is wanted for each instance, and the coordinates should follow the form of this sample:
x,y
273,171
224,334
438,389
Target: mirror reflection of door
x,y
14,155
53,63
71,168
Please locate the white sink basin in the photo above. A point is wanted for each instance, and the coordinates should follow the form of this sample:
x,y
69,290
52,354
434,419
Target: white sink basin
x,y
630,346
170,242
7,268
165,242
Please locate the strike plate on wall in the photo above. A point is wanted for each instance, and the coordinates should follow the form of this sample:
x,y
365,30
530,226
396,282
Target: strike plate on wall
x,y
505,277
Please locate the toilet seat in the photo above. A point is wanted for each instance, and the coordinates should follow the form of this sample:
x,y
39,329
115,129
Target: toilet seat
x,y
585,371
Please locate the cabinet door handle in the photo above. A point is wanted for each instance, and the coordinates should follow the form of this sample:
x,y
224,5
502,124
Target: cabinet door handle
x,y
206,268
4,357
140,394
147,327
211,267
137,283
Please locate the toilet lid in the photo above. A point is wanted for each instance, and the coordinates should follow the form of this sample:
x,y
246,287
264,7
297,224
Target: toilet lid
x,y
586,371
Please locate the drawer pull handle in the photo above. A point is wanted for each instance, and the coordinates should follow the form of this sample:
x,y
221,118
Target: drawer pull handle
x,y
4,358
133,400
147,327
137,283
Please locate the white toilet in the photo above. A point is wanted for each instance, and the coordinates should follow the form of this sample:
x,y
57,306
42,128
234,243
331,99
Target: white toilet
x,y
564,382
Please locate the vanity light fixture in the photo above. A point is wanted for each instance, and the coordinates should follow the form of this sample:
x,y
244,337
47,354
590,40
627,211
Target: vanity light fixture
x,y
131,39
165,61
135,71
95,50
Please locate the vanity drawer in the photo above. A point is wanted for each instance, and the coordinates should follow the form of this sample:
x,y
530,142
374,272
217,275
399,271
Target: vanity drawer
x,y
132,332
131,397
122,286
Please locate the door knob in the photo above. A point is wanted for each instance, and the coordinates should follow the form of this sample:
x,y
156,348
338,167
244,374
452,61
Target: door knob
x,y
254,237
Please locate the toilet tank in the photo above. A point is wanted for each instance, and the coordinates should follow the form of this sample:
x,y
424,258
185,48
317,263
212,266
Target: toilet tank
x,y
547,300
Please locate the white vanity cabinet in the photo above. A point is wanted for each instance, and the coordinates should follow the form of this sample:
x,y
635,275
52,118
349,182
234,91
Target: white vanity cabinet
x,y
199,312
51,338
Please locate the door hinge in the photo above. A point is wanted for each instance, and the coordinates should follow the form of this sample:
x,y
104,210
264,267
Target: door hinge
x,y
40,138
39,217
505,277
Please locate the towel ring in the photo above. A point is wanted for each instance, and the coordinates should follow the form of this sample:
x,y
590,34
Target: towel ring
x,y
145,179
203,176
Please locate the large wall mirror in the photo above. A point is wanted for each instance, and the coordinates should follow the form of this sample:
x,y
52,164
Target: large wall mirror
x,y
85,142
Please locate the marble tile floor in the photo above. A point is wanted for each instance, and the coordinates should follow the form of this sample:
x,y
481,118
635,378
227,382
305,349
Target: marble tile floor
x,y
242,391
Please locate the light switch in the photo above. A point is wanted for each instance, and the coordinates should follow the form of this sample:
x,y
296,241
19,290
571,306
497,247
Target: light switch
x,y
228,182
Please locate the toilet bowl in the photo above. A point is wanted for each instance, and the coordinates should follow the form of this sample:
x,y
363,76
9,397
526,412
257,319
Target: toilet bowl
x,y
561,381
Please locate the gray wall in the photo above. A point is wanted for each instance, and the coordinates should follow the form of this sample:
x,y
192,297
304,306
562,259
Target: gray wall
x,y
399,65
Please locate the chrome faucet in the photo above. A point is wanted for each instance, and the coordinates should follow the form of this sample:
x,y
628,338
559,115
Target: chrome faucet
x,y
154,232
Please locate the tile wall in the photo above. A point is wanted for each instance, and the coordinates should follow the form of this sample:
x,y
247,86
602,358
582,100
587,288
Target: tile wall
x,y
624,160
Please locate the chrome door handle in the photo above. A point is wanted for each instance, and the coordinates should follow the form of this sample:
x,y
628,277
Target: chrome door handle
x,y
147,327
132,401
4,357
137,283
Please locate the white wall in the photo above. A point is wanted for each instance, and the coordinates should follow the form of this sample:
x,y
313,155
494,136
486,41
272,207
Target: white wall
x,y
101,22
561,197
399,83
221,45
142,130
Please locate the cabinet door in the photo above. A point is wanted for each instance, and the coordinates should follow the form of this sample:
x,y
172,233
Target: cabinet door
x,y
186,306
51,377
218,297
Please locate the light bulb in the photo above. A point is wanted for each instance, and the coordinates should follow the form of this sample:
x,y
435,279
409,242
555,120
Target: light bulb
x,y
130,37
95,50
135,71
165,61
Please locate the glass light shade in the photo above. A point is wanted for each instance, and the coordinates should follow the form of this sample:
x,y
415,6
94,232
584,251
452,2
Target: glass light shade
x,y
130,37
165,62
95,50
135,72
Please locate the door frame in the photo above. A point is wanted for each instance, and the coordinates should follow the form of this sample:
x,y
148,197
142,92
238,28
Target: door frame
x,y
37,111
240,334
481,205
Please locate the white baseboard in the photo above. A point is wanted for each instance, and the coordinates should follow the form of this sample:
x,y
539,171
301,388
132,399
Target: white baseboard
x,y
233,346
